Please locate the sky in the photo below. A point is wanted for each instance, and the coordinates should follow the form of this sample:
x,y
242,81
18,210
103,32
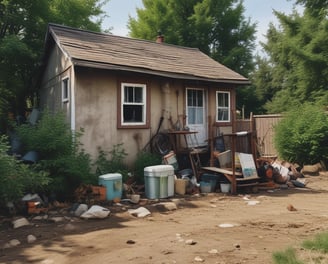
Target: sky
x,y
259,11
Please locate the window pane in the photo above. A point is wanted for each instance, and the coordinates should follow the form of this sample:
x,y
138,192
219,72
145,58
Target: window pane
x,y
223,114
138,98
189,96
199,115
191,115
65,88
195,115
223,99
128,94
195,98
132,113
200,98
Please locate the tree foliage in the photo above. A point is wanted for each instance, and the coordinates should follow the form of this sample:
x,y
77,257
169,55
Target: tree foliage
x,y
218,28
297,62
22,30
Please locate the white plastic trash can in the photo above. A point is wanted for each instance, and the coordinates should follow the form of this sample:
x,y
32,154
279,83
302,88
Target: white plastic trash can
x,y
159,181
113,184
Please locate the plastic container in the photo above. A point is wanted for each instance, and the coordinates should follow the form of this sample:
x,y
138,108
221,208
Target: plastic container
x,y
159,181
205,187
113,184
180,186
212,179
225,187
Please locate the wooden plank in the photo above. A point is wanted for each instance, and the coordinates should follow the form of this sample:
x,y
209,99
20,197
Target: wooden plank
x,y
223,171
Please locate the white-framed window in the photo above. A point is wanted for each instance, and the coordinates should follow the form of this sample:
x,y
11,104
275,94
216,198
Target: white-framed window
x,y
133,104
222,106
65,89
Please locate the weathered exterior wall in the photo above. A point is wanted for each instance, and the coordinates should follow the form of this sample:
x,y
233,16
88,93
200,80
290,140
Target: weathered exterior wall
x,y
57,68
96,109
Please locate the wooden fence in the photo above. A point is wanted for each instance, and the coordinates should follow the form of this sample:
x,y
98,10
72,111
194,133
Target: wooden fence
x,y
264,133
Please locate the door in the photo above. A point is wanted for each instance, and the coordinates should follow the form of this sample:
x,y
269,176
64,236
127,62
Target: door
x,y
196,116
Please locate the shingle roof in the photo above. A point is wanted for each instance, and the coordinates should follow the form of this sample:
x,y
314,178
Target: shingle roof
x,y
107,51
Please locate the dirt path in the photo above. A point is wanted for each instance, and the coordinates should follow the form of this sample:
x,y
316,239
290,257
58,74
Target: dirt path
x,y
257,231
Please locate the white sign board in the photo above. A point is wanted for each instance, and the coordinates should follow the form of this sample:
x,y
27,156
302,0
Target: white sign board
x,y
247,165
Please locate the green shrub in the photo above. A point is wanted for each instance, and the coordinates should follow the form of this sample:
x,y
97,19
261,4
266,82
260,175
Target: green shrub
x,y
286,257
319,243
60,151
112,161
302,135
17,178
145,159
51,137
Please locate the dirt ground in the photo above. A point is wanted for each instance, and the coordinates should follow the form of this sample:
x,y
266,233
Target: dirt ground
x,y
212,228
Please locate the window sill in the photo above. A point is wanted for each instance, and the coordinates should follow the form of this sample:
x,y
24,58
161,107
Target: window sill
x,y
120,126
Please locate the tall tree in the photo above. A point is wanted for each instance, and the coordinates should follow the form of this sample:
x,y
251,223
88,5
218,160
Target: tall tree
x,y
218,28
297,57
22,30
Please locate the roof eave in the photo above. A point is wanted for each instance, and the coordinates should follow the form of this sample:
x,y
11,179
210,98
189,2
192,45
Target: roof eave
x,y
108,66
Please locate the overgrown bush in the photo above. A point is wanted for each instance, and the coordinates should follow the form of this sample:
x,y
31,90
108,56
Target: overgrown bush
x,y
302,135
60,153
112,161
145,159
17,178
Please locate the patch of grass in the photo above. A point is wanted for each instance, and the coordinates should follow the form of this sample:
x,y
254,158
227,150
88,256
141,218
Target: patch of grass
x,y
311,251
319,243
286,257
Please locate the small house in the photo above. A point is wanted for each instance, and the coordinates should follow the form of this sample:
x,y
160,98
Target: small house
x,y
118,89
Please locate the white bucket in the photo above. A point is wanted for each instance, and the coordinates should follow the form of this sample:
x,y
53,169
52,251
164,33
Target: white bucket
x,y
225,187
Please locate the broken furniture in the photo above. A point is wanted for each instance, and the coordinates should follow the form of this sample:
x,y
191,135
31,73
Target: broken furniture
x,y
246,177
177,135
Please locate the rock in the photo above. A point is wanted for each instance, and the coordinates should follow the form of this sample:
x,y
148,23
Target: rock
x,y
7,245
31,239
291,208
170,206
213,251
190,242
57,219
40,217
311,169
253,202
14,242
199,259
20,222
69,227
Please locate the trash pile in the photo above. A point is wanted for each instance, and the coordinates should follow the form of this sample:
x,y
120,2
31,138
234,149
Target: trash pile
x,y
281,173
